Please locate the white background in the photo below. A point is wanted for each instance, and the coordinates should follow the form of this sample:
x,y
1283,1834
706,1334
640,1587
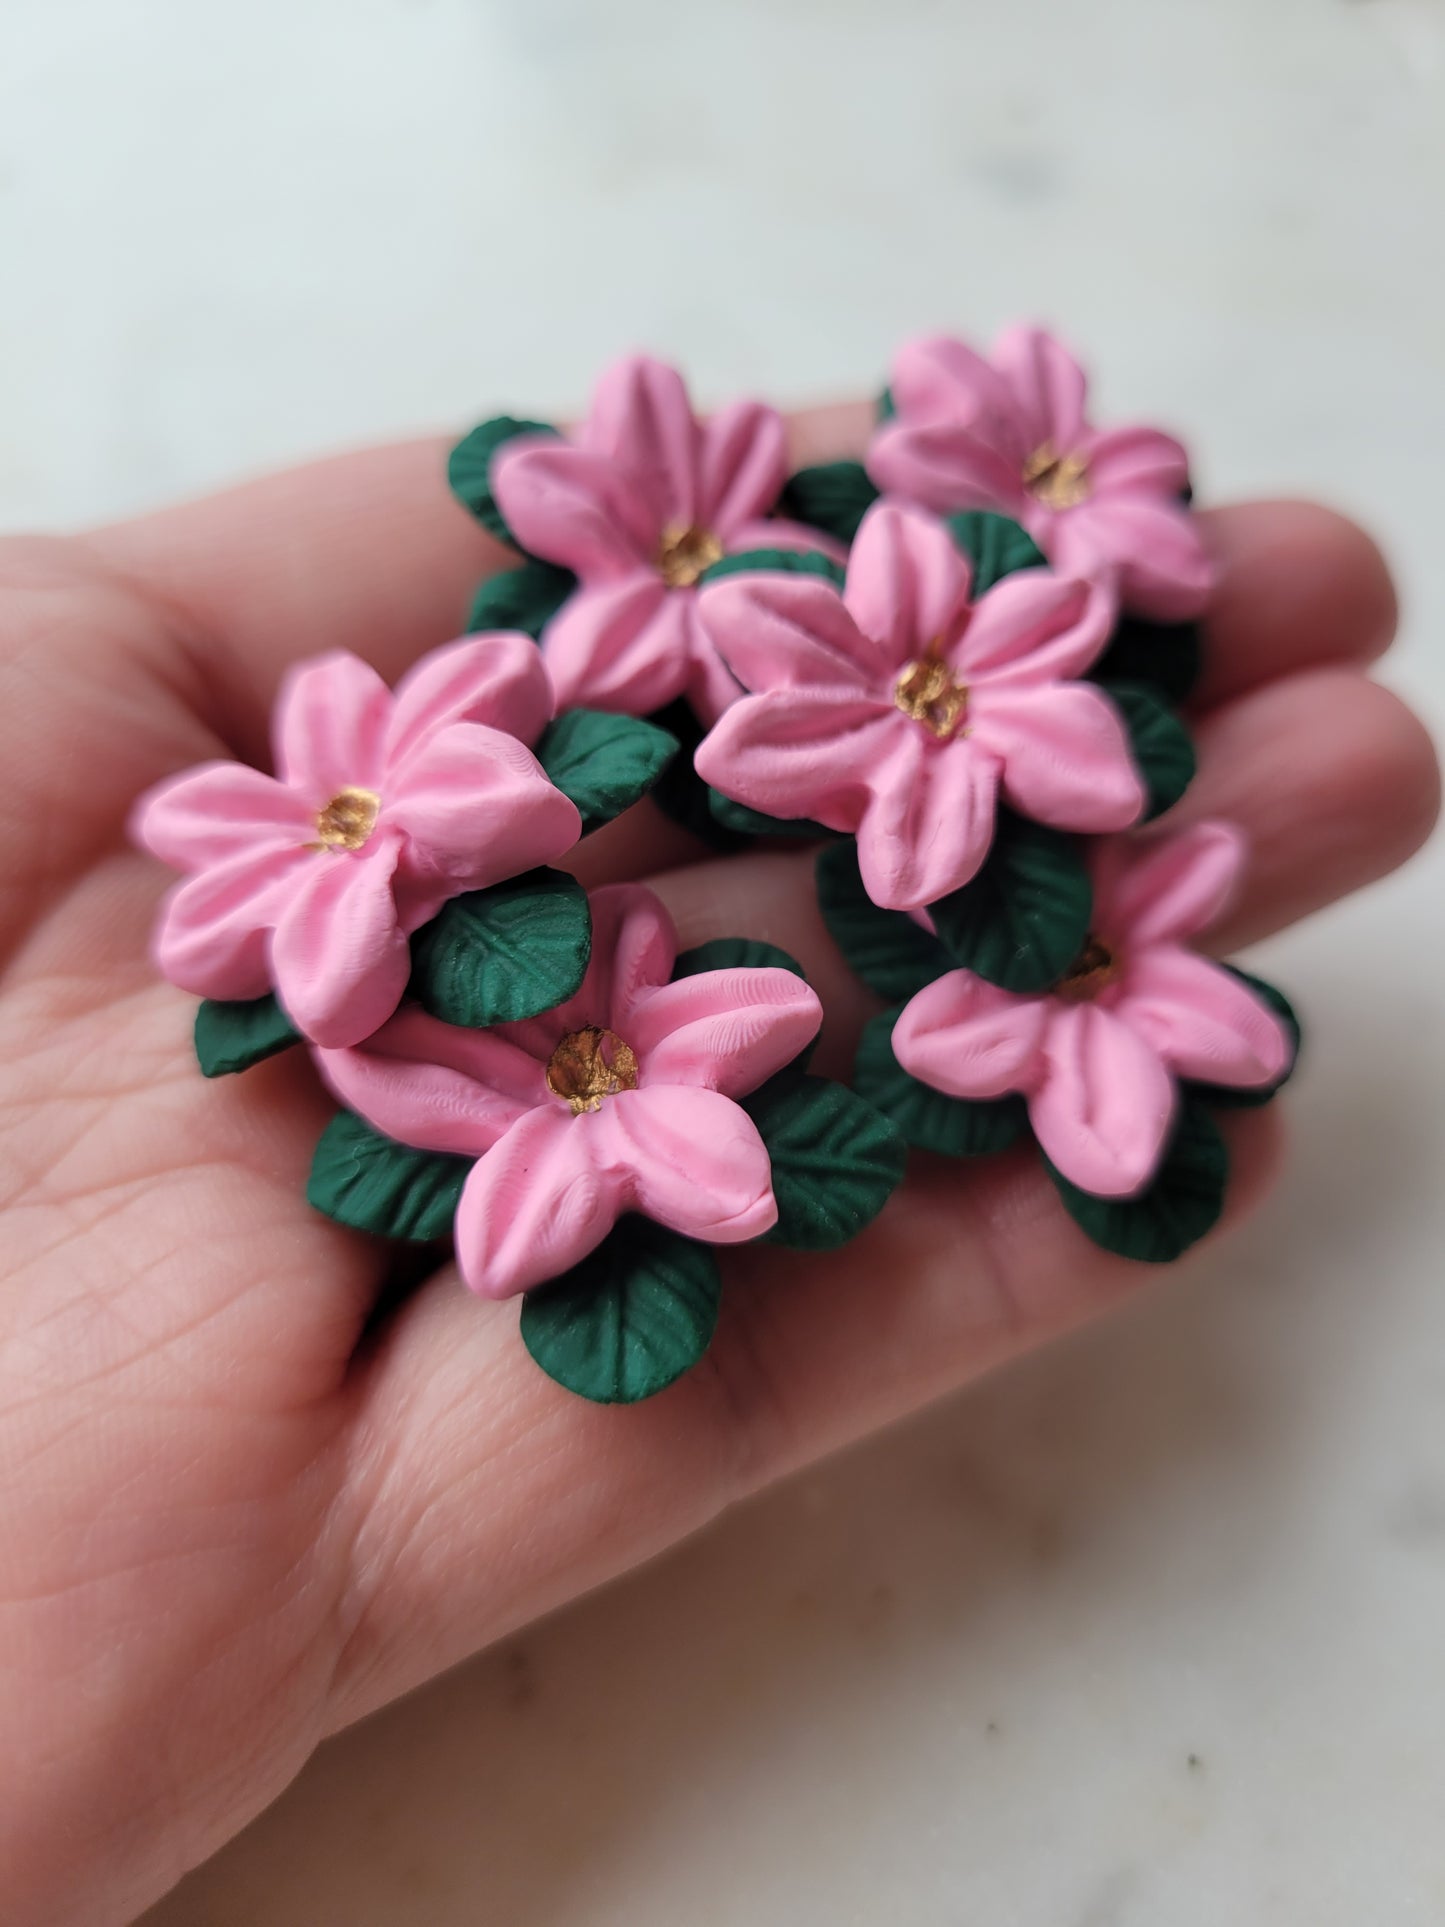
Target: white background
x,y
1150,1632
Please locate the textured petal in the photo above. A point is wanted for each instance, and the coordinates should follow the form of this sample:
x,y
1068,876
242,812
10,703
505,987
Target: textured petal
x,y
711,686
968,1038
801,753
574,507
475,806
1203,1021
1163,888
634,946
619,645
1136,458
434,1085
744,464
496,679
929,823
777,532
789,632
1155,547
1065,754
1047,385
908,583
642,420
339,959
723,1030
219,811
540,1199
331,720
211,939
694,1162
1034,626
939,378
943,466
1103,1110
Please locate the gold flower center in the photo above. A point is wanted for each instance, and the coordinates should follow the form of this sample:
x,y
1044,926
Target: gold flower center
x,y
589,1065
684,552
1058,481
929,692
347,820
1091,973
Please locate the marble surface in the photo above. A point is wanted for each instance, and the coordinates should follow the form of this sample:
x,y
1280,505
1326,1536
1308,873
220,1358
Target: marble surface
x,y
1147,1633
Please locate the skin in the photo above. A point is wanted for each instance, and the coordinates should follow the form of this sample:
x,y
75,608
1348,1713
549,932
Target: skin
x,y
243,1507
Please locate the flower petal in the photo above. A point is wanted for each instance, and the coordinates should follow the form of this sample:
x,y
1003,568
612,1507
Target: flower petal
x,y
1035,626
778,631
1202,1020
1065,754
339,959
545,1194
908,583
1106,1103
331,720
744,463
642,420
1155,547
475,806
1047,385
968,1038
619,645
1165,888
211,939
939,378
219,811
496,679
434,1085
1144,459
575,507
929,823
694,1160
723,1030
800,753
943,466
777,532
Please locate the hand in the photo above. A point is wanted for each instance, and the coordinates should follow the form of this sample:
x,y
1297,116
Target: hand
x,y
241,1508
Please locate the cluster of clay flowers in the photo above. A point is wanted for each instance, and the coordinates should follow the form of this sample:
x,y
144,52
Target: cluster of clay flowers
x,y
957,663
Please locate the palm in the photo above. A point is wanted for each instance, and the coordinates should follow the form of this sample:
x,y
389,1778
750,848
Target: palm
x,y
233,1521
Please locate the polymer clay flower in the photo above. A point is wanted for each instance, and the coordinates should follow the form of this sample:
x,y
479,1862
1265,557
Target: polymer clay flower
x,y
1010,434
382,807
620,1100
900,711
637,503
1099,1057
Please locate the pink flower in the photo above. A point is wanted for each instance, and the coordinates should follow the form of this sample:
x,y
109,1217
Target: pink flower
x,y
638,504
383,806
621,1099
897,710
1097,1057
1011,435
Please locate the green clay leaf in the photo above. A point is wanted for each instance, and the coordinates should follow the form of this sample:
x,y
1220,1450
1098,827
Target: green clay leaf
x,y
680,793
831,496
1221,1095
887,408
360,1178
996,545
469,469
1025,917
746,822
496,956
233,1036
1183,1202
604,763
525,599
630,1318
957,1127
734,953
1166,655
836,1161
892,954
1158,741
777,562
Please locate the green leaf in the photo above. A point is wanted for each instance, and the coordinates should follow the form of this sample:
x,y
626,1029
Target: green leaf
x,y
1183,1202
892,954
996,546
1025,917
371,1182
746,822
832,496
604,763
777,562
957,1127
1159,742
734,953
496,956
234,1036
1167,656
836,1161
680,793
630,1318
887,408
469,469
1221,1095
525,599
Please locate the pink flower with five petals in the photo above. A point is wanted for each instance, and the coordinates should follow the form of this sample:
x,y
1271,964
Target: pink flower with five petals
x,y
382,807
637,504
622,1099
1098,1056
898,710
1010,434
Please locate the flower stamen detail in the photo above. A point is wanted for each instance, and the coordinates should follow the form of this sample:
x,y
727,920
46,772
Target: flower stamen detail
x,y
1058,481
929,693
588,1065
347,820
684,552
1090,974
